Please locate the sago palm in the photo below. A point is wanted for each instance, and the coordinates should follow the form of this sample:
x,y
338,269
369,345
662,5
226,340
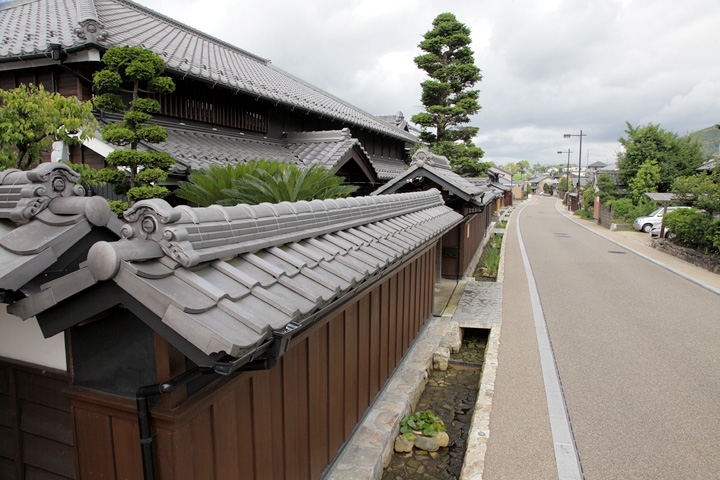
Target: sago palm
x,y
287,183
205,187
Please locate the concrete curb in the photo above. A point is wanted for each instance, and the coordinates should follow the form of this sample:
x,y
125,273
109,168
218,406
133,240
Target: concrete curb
x,y
474,462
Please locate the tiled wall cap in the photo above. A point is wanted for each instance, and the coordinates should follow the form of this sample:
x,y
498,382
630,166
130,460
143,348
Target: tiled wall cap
x,y
264,210
95,209
104,258
284,208
302,206
318,206
146,216
33,190
331,204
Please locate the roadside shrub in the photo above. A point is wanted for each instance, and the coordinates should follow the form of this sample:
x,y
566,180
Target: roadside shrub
x,y
624,211
584,213
694,229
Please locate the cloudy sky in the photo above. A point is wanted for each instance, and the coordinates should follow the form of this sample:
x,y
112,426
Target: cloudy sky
x,y
549,67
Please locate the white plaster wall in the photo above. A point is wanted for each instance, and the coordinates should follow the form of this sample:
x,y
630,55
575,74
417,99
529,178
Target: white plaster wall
x,y
23,340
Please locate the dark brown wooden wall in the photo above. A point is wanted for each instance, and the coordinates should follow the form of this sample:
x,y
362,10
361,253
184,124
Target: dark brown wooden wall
x,y
473,233
36,438
461,243
285,423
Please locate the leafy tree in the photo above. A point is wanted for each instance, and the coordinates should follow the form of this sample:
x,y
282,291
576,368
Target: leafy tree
x,y
646,180
607,189
32,118
511,167
448,96
539,168
702,191
675,156
563,184
523,166
135,73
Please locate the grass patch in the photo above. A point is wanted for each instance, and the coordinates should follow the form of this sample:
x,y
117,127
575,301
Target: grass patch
x,y
489,262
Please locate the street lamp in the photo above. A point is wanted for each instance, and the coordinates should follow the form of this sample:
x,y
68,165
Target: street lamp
x,y
567,135
567,177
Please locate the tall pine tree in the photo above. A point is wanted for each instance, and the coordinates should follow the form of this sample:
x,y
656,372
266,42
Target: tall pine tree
x,y
448,96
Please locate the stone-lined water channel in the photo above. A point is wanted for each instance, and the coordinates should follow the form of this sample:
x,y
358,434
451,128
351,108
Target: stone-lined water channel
x,y
450,394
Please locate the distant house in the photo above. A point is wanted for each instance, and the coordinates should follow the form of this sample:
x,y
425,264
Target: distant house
x,y
219,342
473,201
229,105
499,175
709,165
611,169
538,182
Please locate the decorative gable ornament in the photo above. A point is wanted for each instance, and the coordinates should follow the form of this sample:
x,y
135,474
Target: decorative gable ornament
x,y
24,194
90,30
424,157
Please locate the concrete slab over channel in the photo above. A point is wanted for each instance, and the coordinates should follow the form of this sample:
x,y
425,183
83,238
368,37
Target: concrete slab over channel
x,y
467,304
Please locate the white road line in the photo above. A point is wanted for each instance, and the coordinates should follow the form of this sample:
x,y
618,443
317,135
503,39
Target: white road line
x,y
566,455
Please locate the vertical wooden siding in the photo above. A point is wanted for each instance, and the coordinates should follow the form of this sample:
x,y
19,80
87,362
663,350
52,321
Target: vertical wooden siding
x,y
36,438
288,422
216,106
473,232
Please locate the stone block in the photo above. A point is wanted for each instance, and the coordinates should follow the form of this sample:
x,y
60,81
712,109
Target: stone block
x,y
442,439
403,445
441,358
427,443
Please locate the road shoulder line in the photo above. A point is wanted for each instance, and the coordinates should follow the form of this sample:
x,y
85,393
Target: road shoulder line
x,y
567,459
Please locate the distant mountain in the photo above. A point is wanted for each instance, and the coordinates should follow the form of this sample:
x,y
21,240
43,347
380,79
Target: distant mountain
x,y
710,139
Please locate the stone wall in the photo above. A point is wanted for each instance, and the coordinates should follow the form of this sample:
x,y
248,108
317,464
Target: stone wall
x,y
605,216
708,262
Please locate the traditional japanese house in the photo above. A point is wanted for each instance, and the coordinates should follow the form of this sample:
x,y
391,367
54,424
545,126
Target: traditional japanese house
x,y
229,105
474,202
219,342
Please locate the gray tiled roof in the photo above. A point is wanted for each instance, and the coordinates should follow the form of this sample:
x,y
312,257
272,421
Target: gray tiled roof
x,y
198,147
28,29
225,278
42,215
387,168
437,169
326,147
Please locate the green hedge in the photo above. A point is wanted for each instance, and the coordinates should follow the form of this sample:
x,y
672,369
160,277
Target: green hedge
x,y
694,229
624,211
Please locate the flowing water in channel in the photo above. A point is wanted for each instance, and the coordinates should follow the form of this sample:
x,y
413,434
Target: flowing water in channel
x,y
451,395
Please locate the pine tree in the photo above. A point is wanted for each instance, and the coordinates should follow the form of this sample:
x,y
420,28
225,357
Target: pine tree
x,y
448,96
136,73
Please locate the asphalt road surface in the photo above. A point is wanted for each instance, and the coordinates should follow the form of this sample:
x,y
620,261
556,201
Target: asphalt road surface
x,y
637,350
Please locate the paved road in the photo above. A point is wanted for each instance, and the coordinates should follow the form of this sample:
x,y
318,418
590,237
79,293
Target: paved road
x,y
638,353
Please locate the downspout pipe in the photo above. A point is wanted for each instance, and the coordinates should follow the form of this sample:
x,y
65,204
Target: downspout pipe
x,y
143,409
275,349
